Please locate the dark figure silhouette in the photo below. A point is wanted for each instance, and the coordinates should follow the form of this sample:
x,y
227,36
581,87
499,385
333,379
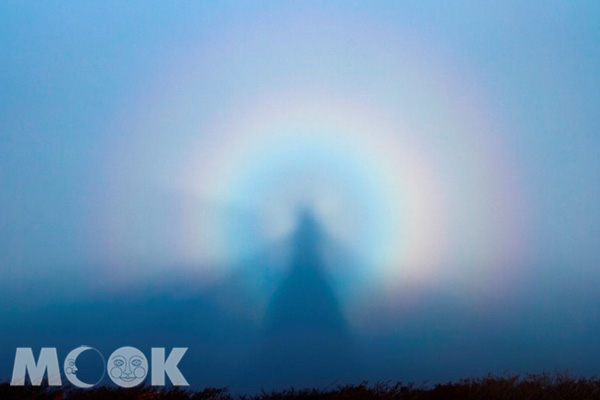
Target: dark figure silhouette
x,y
305,335
305,301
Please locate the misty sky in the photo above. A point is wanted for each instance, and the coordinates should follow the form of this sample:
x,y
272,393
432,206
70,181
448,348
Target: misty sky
x,y
159,153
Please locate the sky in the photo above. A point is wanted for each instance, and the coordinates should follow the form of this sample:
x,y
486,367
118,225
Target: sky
x,y
156,156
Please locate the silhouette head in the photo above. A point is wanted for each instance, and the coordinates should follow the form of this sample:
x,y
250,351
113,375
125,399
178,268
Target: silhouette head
x,y
308,232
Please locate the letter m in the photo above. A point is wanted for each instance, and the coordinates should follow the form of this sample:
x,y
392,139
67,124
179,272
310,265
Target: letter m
x,y
25,363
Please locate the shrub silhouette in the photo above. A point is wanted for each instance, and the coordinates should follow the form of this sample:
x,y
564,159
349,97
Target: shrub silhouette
x,y
543,386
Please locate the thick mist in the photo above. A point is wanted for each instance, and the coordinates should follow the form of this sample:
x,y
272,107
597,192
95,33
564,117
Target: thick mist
x,y
303,195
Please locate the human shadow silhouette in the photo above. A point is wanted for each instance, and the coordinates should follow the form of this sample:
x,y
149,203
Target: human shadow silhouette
x,y
305,335
305,301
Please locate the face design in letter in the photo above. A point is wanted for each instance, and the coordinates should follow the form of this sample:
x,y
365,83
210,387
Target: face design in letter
x,y
127,367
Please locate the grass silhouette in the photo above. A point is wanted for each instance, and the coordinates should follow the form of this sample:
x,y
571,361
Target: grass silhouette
x,y
529,387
